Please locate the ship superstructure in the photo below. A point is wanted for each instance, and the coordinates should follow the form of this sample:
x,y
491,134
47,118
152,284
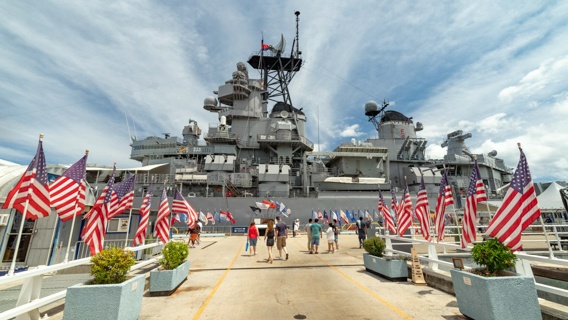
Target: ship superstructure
x,y
259,147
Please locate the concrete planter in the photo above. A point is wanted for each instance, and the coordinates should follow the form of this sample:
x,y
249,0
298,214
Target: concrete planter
x,y
165,282
507,297
105,301
394,270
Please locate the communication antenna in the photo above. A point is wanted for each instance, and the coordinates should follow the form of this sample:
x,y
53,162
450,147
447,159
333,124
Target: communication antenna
x,y
372,110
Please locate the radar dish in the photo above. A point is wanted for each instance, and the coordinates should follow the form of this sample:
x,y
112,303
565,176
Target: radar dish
x,y
284,114
281,46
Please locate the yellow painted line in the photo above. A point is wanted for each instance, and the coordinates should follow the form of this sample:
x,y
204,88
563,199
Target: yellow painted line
x,y
210,296
374,295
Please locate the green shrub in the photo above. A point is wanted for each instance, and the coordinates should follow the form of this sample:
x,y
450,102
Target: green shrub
x,y
374,246
494,256
111,265
174,254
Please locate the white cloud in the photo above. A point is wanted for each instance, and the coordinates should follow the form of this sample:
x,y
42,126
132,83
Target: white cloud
x,y
350,131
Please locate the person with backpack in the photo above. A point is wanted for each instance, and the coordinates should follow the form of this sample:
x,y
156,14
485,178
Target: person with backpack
x,y
361,231
336,234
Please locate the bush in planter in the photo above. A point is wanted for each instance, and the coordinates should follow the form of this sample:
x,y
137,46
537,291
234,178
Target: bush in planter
x,y
374,246
494,256
174,254
111,265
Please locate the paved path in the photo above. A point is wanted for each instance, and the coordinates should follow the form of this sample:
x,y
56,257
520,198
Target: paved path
x,y
226,283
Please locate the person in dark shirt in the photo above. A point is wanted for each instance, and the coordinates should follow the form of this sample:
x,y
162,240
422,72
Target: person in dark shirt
x,y
361,231
282,235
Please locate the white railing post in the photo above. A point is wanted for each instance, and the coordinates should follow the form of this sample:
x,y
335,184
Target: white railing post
x,y
432,254
388,246
31,288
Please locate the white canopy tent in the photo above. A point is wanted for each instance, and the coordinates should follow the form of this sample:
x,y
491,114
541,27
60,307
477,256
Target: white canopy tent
x,y
550,199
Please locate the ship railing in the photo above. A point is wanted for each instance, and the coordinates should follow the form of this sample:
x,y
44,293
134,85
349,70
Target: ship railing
x,y
431,259
29,301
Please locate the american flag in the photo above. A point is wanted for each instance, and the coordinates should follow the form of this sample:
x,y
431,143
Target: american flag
x,y
94,232
394,202
67,193
421,210
125,193
144,217
519,208
404,213
180,205
445,198
475,194
382,206
162,228
210,217
32,189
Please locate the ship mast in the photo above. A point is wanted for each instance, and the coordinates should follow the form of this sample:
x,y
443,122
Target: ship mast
x,y
277,70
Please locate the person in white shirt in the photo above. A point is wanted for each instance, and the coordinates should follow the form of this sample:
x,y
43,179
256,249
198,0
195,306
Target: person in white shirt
x,y
330,234
200,224
309,234
296,227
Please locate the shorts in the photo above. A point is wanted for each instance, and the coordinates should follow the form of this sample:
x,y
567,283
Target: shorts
x,y
193,236
336,238
330,241
252,242
315,241
281,242
270,242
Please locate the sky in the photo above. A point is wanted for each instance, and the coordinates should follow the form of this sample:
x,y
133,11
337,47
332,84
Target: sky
x,y
92,74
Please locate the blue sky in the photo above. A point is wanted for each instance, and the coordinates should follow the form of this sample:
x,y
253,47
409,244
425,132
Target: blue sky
x,y
80,71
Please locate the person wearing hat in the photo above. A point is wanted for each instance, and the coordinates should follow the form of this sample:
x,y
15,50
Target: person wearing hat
x,y
296,227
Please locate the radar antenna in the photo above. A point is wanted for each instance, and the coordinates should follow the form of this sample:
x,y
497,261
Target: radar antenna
x,y
372,110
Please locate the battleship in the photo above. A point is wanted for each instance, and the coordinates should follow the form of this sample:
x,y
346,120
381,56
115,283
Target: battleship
x,y
259,150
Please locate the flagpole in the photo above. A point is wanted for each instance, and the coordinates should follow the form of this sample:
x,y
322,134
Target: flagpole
x,y
130,212
541,222
71,231
55,229
13,265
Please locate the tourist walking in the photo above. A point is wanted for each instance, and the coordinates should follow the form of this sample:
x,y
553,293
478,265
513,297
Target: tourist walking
x,y
296,228
200,228
269,238
282,233
193,233
330,234
252,238
316,235
336,234
361,231
309,234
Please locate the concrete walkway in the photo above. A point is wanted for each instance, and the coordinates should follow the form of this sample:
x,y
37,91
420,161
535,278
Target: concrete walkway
x,y
226,283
